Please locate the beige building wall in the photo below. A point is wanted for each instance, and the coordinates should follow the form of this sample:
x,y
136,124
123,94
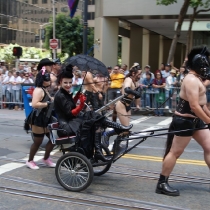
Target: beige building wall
x,y
126,51
106,34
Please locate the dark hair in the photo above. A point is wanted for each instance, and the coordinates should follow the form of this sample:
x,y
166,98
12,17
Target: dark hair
x,y
148,73
195,51
158,72
65,73
41,77
133,69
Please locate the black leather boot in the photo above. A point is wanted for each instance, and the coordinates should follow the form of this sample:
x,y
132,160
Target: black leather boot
x,y
98,152
111,124
117,148
164,188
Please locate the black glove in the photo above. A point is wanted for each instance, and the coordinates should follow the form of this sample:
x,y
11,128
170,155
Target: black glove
x,y
135,92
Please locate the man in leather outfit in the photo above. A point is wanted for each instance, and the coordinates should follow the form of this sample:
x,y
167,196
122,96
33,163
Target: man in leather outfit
x,y
191,113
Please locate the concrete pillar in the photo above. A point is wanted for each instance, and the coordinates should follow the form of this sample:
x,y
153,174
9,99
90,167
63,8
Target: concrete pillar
x,y
106,40
126,51
166,48
145,47
135,44
160,50
154,51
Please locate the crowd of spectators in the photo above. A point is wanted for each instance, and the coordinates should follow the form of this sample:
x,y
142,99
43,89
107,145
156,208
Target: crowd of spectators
x,y
156,85
10,84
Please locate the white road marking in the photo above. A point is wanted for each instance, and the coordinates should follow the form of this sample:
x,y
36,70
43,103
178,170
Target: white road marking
x,y
9,167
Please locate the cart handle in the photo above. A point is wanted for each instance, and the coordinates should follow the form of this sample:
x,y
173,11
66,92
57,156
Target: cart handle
x,y
160,134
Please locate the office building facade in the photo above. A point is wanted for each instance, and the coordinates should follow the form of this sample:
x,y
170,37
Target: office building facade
x,y
146,29
22,20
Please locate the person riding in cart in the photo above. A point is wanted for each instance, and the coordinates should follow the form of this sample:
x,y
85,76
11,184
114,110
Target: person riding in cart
x,y
86,126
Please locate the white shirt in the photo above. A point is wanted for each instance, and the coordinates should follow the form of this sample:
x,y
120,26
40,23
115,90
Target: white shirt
x,y
8,86
169,81
27,81
17,80
165,73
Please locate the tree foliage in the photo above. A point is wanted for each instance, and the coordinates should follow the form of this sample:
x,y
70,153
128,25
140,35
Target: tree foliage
x,y
70,31
166,2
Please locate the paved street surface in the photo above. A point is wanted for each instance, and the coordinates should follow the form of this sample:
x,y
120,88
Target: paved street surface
x,y
129,184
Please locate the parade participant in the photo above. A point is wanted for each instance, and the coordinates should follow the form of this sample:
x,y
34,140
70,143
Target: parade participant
x,y
47,63
101,83
68,113
123,107
39,119
53,76
190,113
90,89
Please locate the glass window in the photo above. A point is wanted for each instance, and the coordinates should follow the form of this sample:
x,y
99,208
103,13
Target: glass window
x,y
44,1
34,1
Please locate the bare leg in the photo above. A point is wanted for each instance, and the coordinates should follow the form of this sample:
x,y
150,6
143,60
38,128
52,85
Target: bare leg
x,y
177,148
203,138
122,114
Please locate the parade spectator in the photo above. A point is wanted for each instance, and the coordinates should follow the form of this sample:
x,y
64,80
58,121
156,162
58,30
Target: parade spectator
x,y
169,88
76,82
117,80
147,69
16,81
180,76
165,73
162,67
159,85
147,85
125,69
8,89
27,79
109,69
34,72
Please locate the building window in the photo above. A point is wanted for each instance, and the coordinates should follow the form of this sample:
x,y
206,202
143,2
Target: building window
x,y
34,1
91,2
44,1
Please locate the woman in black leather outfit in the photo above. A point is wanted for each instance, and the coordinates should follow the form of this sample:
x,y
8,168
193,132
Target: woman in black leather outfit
x,y
67,112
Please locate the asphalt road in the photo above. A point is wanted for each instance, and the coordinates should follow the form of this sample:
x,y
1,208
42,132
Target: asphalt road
x,y
129,184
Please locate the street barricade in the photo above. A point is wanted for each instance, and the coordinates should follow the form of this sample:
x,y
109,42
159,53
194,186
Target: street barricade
x,y
27,91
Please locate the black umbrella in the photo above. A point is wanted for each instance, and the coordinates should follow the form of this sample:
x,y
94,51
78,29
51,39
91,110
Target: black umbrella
x,y
87,63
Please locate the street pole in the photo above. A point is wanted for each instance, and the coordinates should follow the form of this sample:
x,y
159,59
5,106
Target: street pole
x,y
40,37
85,27
54,51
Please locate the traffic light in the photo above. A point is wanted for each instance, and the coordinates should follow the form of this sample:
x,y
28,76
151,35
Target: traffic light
x,y
17,51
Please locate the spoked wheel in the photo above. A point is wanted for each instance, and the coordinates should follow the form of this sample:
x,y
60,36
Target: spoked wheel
x,y
45,140
74,172
100,170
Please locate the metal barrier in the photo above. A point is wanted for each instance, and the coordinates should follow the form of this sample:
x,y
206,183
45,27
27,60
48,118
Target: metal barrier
x,y
160,100
12,99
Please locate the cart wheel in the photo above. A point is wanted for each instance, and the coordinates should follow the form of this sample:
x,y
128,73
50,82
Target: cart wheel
x,y
74,172
100,170
42,146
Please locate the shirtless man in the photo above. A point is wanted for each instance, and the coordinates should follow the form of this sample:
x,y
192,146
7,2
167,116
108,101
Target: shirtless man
x,y
101,83
56,67
123,107
191,113
89,89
